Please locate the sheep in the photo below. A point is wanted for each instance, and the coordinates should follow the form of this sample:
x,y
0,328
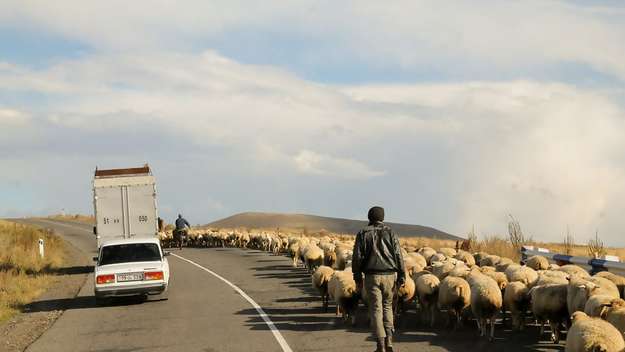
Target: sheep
x,y
411,265
404,294
343,256
574,270
437,257
549,303
596,304
618,280
615,315
516,300
342,290
329,257
418,258
320,280
589,334
490,260
503,264
313,257
460,271
579,290
524,274
466,257
553,267
454,295
606,287
548,277
499,277
426,252
486,301
427,292
479,256
442,269
447,252
537,262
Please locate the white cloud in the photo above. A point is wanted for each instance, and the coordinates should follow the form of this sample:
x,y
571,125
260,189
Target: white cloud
x,y
226,137
458,36
11,117
309,162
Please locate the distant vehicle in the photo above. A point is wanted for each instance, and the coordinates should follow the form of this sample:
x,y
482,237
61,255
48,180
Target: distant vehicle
x,y
130,258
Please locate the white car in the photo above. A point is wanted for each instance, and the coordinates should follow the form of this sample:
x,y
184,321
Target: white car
x,y
129,267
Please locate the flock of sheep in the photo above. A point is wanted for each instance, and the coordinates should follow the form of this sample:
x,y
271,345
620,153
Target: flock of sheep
x,y
461,286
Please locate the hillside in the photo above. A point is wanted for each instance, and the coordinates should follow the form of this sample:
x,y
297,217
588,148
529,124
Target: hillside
x,y
313,223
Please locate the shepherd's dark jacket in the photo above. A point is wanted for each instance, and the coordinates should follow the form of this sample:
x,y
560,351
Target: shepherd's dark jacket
x,y
377,251
181,222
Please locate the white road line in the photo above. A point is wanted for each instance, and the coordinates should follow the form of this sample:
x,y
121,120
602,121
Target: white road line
x,y
276,333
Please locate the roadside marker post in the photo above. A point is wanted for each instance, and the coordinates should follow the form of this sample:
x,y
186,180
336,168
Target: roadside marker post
x,y
41,248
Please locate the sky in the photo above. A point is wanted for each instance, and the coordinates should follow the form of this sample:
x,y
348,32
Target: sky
x,y
451,114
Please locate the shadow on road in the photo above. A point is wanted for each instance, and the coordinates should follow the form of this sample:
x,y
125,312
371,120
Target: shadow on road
x,y
81,302
72,270
299,309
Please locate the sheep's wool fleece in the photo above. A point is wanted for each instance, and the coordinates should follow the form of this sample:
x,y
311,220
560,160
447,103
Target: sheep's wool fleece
x,y
587,334
322,275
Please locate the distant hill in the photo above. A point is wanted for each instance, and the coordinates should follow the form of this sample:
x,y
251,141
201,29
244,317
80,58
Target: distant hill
x,y
313,223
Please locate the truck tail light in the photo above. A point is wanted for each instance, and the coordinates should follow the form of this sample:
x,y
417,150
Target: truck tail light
x,y
105,279
153,275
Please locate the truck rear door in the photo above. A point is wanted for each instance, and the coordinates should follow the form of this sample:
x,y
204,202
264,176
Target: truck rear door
x,y
141,210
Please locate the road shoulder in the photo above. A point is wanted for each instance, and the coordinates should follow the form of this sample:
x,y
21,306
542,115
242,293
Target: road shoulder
x,y
25,328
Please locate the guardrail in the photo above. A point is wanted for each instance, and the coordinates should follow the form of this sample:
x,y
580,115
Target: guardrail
x,y
591,264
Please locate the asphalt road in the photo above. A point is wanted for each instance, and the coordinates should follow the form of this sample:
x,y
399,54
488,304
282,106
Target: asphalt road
x,y
203,313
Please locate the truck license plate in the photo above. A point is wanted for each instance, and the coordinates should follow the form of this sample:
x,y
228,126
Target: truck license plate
x,y
130,277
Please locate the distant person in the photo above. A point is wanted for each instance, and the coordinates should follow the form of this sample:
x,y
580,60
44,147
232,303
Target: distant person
x,y
377,255
182,228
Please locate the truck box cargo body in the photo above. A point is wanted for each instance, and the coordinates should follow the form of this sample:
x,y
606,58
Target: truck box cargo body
x,y
124,202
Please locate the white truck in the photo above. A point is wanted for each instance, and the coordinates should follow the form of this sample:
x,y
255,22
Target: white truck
x,y
130,258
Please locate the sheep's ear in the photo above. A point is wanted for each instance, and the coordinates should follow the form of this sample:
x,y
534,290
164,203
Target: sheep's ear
x,y
603,314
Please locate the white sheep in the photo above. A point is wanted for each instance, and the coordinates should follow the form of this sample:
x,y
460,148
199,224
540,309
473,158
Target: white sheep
x,y
589,334
454,295
427,252
442,269
615,315
437,257
499,277
490,260
551,277
342,290
596,304
618,280
579,290
418,258
537,262
466,257
486,301
549,303
427,292
320,280
503,264
447,252
516,300
313,257
404,295
574,270
524,274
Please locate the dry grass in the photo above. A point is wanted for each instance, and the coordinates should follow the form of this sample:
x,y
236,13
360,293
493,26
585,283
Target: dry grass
x,y
87,219
24,275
